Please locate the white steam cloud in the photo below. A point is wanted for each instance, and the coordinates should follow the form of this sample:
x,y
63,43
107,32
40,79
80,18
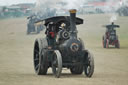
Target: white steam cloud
x,y
73,4
44,7
113,6
41,5
113,18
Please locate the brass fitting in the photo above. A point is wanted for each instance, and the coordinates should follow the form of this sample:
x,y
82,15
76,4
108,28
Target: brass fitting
x,y
73,11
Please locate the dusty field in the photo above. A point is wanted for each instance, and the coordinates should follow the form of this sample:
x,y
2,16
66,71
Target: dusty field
x,y
16,55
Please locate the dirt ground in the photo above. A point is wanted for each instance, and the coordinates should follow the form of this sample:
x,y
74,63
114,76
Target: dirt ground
x,y
16,54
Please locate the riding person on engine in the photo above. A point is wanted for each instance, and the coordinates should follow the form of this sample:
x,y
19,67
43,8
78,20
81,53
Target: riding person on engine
x,y
51,34
110,29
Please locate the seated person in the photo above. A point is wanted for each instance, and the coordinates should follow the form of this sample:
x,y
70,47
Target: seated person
x,y
110,29
60,29
51,34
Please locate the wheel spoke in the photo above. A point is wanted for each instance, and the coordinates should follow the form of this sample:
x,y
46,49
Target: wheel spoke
x,y
88,69
36,51
37,55
37,66
36,59
54,63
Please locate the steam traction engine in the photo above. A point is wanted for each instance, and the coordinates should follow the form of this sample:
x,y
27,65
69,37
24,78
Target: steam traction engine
x,y
110,37
61,48
31,28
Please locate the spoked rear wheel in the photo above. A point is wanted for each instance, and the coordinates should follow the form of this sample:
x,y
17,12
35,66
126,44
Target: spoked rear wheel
x,y
57,64
89,66
40,59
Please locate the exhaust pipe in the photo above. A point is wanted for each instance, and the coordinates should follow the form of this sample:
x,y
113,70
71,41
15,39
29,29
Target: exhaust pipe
x,y
73,21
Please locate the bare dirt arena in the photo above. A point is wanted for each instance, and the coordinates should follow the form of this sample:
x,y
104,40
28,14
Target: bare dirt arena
x,y
16,54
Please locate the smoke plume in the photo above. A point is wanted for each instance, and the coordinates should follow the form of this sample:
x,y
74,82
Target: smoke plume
x,y
48,7
112,6
73,4
43,6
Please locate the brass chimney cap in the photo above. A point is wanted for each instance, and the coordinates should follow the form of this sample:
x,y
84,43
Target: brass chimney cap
x,y
73,11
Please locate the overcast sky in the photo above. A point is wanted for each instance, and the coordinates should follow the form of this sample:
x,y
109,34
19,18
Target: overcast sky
x,y
10,2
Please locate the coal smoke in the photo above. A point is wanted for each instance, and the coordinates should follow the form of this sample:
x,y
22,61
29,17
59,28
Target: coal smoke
x,y
112,6
48,8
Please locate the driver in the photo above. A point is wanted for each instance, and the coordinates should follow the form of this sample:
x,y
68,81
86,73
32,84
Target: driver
x,y
110,29
61,28
51,34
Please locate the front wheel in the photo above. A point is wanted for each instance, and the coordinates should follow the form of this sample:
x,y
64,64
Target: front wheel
x,y
57,64
89,66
